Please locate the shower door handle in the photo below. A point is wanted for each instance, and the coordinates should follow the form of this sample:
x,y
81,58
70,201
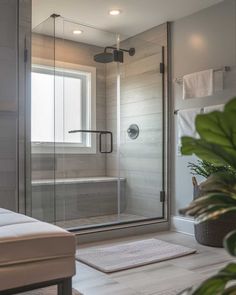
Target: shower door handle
x,y
101,133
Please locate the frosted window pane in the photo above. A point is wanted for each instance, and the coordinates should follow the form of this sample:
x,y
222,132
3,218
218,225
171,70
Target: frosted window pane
x,y
59,134
68,108
42,108
72,109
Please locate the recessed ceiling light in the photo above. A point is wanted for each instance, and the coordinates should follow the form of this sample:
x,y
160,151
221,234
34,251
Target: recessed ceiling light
x,y
114,12
77,32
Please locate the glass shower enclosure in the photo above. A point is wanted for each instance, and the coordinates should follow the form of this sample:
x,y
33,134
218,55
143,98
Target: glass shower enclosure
x,y
97,126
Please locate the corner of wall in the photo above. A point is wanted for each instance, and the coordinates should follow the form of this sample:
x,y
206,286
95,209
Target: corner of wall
x,y
182,225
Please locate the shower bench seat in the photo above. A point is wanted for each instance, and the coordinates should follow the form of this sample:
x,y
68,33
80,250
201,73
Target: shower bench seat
x,y
99,179
34,255
76,198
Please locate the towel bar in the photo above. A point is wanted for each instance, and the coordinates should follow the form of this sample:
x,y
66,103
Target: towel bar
x,y
224,69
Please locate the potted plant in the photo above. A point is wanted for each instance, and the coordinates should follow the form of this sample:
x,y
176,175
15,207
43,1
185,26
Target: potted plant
x,y
217,144
211,232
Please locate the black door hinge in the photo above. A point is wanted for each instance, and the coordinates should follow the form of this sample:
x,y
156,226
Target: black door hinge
x,y
26,55
162,196
162,68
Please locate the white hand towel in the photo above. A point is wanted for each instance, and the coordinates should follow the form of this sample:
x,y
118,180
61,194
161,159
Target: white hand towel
x,y
218,107
186,124
198,84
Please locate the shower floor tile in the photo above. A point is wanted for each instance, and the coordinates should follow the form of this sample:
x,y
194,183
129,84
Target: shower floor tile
x,y
99,220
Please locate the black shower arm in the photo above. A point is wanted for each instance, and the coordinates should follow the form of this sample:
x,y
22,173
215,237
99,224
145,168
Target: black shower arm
x,y
101,133
111,47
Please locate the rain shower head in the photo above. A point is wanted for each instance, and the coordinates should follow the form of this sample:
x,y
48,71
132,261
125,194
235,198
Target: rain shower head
x,y
116,55
104,57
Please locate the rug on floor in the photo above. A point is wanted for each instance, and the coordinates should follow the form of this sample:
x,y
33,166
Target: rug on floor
x,y
129,255
47,291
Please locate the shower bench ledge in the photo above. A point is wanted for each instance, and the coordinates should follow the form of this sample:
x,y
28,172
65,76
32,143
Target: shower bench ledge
x,y
76,180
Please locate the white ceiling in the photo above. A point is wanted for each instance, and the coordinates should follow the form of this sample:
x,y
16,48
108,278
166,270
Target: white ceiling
x,y
137,15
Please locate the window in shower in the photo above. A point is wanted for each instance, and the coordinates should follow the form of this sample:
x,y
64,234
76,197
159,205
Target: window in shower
x,y
71,108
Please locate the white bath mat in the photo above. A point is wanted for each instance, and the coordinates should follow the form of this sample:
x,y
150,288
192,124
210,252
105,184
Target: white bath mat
x,y
130,255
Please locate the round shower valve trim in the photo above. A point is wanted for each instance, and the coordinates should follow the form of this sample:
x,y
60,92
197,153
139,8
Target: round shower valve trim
x,y
133,131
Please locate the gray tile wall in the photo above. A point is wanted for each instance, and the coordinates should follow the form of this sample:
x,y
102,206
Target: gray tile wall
x,y
8,104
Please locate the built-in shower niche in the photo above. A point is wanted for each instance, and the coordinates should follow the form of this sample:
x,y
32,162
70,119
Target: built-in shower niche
x,y
74,183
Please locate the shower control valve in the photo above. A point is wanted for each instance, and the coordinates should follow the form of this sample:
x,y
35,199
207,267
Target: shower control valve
x,y
133,131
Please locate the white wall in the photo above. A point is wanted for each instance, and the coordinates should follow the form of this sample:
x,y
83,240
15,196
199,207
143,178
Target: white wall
x,y
201,41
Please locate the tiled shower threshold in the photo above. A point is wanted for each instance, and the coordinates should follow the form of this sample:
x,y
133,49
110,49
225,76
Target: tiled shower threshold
x,y
99,220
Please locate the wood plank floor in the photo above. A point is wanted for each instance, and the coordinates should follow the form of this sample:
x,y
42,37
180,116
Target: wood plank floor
x,y
164,278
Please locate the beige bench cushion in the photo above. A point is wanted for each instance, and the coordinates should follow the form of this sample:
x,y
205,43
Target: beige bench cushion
x,y
24,239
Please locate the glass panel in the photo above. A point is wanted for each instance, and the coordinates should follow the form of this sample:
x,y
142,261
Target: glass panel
x,y
42,203
141,129
85,195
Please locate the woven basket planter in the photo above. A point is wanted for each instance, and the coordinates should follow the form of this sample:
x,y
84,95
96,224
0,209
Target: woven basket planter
x,y
212,232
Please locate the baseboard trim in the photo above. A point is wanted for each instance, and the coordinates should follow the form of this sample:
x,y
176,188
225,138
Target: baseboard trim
x,y
182,225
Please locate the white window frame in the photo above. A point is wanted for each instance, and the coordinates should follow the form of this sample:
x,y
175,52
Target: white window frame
x,y
91,142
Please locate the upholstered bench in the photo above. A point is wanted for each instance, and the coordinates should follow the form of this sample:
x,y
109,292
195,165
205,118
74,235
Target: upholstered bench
x,y
34,255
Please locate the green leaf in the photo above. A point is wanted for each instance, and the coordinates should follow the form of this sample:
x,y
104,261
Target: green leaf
x,y
216,285
217,143
213,153
218,198
206,169
214,128
229,270
214,215
231,105
230,291
217,128
210,206
219,182
212,286
230,243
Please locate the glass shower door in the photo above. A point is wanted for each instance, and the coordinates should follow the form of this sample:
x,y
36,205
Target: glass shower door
x,y
140,131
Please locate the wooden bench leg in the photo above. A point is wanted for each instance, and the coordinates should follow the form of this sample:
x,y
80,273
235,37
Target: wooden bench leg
x,y
65,287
